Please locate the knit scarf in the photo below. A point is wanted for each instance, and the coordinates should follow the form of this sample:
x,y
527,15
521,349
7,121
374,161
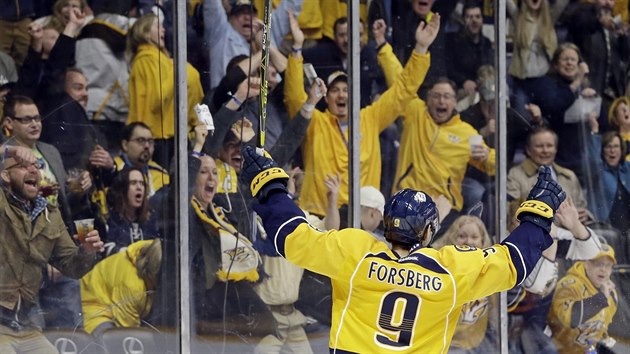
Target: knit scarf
x,y
239,259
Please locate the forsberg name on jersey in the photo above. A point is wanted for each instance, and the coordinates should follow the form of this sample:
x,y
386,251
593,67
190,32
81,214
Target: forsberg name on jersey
x,y
404,277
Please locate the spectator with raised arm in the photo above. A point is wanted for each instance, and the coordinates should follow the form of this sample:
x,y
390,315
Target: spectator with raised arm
x,y
325,145
565,100
435,150
328,57
528,304
63,96
232,34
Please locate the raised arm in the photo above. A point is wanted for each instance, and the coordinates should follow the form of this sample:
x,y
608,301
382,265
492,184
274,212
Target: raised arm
x,y
215,18
394,101
280,22
294,133
294,95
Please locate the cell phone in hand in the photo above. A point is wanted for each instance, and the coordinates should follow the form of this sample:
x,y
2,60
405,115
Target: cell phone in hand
x,y
310,73
311,76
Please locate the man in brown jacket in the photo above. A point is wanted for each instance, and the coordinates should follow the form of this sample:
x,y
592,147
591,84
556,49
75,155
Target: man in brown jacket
x,y
33,235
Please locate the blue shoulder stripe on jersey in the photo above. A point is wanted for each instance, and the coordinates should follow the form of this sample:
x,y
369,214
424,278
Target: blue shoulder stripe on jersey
x,y
525,245
416,258
280,217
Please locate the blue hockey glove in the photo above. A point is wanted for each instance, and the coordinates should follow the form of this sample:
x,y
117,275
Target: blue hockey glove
x,y
543,200
262,173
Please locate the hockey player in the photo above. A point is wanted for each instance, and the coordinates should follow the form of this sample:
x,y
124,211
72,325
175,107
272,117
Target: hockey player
x,y
405,299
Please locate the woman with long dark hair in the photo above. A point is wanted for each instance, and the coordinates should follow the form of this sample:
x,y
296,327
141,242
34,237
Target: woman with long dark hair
x,y
130,217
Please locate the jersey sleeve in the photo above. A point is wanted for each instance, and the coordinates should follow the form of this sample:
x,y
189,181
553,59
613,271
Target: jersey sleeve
x,y
480,273
323,252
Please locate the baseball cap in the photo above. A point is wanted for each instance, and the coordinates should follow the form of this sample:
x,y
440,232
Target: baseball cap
x,y
372,198
336,76
606,251
245,125
240,6
487,90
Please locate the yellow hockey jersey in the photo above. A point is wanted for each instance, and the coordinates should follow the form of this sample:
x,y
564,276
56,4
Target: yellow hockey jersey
x,y
570,292
384,303
405,299
325,149
433,157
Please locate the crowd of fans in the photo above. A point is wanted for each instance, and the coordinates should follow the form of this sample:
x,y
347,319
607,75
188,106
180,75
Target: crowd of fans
x,y
88,99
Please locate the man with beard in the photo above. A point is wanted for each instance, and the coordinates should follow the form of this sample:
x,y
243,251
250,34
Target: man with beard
x,y
24,124
137,147
434,147
60,298
33,235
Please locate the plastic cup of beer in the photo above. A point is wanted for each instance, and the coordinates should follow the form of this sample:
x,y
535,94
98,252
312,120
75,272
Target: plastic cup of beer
x,y
73,180
84,226
475,140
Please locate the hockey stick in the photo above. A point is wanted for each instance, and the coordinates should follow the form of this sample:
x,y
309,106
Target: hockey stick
x,y
264,64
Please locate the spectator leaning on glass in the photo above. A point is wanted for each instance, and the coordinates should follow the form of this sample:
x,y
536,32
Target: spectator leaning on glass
x,y
33,235
118,292
325,156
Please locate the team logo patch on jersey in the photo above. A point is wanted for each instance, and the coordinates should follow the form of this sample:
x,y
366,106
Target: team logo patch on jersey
x,y
454,139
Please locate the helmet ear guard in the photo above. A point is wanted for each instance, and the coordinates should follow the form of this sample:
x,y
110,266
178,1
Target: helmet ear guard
x,y
408,216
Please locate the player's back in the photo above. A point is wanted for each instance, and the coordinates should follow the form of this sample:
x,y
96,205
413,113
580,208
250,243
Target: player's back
x,y
402,305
